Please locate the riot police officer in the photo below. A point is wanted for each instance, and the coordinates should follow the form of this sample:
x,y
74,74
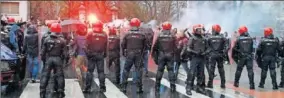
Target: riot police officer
x,y
114,52
267,55
54,49
133,46
165,48
244,49
31,49
96,47
216,48
197,49
281,63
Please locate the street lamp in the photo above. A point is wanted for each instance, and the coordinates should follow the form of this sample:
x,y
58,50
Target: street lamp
x,y
82,13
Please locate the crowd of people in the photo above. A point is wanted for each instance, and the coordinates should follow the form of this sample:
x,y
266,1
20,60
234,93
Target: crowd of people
x,y
200,49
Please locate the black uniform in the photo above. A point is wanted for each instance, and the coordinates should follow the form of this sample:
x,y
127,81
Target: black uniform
x,y
96,47
165,48
244,49
54,49
281,54
133,45
217,50
114,54
44,37
267,52
197,49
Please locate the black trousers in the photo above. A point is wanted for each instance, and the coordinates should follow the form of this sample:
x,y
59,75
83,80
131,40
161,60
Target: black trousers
x,y
165,60
95,61
248,62
213,60
136,58
196,69
114,58
268,62
53,63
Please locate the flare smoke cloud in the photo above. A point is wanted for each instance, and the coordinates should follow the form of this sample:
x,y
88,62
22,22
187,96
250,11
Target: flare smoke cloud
x,y
230,15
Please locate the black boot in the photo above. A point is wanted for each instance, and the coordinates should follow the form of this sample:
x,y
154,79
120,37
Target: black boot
x,y
103,88
173,87
123,88
261,85
139,90
281,85
236,84
61,94
223,86
210,84
87,90
275,87
188,90
252,87
42,94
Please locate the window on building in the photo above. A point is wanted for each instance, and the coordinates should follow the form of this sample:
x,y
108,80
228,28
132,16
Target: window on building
x,y
10,7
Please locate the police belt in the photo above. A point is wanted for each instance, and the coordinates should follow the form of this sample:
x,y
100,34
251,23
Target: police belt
x,y
134,50
54,55
114,51
95,53
167,52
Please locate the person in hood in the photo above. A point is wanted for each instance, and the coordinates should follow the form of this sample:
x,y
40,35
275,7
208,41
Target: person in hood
x,y
267,53
244,49
31,49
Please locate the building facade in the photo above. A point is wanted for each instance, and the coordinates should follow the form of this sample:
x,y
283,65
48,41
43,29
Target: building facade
x,y
16,9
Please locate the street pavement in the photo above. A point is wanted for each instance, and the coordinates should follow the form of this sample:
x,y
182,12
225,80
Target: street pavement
x,y
74,87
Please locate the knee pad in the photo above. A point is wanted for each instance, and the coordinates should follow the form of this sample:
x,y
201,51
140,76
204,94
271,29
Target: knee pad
x,y
273,72
90,72
239,67
250,72
101,70
273,67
